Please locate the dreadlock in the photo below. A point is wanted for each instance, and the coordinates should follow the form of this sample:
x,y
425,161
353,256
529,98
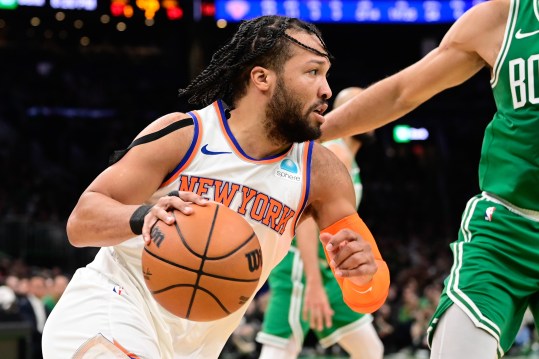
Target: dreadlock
x,y
261,41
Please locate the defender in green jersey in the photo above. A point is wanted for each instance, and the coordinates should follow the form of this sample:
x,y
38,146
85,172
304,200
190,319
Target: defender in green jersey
x,y
495,275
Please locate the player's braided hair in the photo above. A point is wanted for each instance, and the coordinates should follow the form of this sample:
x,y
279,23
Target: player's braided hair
x,y
262,41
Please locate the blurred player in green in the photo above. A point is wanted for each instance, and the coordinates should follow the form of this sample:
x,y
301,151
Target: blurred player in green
x,y
304,294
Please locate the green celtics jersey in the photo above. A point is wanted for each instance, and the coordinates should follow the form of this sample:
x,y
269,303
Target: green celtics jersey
x,y
356,179
509,165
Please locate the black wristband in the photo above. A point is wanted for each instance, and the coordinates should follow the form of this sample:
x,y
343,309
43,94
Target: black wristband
x,y
174,194
137,218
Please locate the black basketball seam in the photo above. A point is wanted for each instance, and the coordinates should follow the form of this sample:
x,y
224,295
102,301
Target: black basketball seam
x,y
186,245
201,288
179,231
234,250
200,271
158,291
193,270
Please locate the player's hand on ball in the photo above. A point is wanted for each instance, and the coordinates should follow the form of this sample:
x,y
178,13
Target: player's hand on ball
x,y
350,256
180,200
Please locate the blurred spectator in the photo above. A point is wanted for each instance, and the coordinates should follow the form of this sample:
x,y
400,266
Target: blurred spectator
x,y
9,311
55,291
32,309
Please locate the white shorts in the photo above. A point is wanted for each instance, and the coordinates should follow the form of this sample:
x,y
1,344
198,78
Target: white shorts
x,y
94,304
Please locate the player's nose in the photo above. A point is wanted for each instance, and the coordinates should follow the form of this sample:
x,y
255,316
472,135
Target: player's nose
x,y
325,90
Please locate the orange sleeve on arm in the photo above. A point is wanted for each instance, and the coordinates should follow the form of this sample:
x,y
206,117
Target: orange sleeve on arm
x,y
369,297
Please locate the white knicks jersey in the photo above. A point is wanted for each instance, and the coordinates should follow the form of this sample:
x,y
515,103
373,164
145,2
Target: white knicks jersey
x,y
269,193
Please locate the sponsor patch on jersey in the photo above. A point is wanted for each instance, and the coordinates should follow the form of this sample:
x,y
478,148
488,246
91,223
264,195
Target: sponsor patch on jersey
x,y
288,170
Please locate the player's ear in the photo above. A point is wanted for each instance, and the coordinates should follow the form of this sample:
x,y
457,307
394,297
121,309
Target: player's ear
x,y
262,78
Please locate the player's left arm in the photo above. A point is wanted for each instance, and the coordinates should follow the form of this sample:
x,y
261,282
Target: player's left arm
x,y
350,247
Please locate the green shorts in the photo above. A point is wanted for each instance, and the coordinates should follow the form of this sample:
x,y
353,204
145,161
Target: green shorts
x,y
283,317
495,272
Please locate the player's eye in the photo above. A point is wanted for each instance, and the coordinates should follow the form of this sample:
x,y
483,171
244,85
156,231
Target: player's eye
x,y
313,72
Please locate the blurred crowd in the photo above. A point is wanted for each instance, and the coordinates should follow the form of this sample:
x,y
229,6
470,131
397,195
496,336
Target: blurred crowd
x,y
29,293
27,296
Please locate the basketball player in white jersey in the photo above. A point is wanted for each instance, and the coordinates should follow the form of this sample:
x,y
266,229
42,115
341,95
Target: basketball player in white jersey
x,y
250,147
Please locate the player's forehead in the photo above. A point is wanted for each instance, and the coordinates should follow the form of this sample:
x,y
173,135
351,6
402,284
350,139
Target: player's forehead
x,y
310,42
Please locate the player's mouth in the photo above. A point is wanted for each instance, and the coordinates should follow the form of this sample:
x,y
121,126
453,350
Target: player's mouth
x,y
319,111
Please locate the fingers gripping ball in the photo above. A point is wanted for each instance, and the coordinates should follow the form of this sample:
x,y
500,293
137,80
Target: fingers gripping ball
x,y
205,266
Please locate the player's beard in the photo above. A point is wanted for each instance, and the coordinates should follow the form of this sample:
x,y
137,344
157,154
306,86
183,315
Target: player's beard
x,y
285,123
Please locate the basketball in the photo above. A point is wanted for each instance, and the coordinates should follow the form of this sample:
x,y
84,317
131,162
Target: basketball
x,y
205,266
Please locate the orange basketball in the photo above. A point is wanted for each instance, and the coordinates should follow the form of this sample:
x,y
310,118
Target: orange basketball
x,y
205,266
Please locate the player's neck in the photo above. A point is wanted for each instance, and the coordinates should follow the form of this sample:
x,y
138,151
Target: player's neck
x,y
252,136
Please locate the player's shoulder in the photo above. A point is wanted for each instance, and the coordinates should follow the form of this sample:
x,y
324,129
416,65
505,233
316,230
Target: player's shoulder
x,y
478,29
485,14
164,121
163,136
326,165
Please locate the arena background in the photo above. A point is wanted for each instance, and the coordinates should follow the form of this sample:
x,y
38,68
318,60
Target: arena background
x,y
75,85
70,96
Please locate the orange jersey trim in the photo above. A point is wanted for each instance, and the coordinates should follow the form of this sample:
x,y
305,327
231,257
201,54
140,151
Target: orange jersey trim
x,y
128,353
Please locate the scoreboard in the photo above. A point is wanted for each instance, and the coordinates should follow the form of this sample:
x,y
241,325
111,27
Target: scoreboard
x,y
89,5
347,11
326,11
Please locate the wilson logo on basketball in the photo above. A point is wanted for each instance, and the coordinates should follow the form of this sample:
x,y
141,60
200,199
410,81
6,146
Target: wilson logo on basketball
x,y
157,236
254,260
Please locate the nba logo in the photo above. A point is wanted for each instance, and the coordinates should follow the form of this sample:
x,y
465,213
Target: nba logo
x,y
489,212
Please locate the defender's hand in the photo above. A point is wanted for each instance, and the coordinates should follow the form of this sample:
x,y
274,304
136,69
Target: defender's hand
x,y
316,308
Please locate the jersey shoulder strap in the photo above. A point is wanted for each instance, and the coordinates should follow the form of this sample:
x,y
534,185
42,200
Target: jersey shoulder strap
x,y
117,155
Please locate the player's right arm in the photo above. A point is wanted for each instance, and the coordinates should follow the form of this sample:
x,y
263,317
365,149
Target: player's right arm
x,y
351,249
102,214
471,43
